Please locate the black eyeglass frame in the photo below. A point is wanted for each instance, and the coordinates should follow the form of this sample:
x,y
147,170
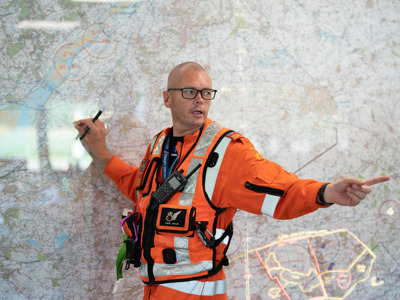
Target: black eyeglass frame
x,y
197,91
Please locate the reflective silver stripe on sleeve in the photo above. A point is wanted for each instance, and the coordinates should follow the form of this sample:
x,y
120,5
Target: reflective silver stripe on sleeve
x,y
269,205
199,288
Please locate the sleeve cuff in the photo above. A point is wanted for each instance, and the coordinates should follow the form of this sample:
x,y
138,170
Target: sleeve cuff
x,y
320,200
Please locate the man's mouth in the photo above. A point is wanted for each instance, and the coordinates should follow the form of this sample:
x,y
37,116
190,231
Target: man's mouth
x,y
197,112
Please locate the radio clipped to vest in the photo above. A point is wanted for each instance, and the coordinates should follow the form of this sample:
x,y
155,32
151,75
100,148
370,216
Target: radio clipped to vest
x,y
175,182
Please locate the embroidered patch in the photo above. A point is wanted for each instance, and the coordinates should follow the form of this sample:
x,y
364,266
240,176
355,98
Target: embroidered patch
x,y
173,217
235,136
175,220
142,169
256,153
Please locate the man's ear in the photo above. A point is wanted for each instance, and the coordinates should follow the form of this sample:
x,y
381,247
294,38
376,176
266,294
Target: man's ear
x,y
167,99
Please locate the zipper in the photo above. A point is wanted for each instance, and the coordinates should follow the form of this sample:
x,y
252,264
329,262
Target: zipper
x,y
264,189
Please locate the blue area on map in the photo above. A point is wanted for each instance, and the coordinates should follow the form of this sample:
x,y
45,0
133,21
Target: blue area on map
x,y
61,239
35,243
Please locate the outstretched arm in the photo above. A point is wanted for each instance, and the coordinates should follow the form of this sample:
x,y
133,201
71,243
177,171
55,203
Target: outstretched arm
x,y
95,139
350,191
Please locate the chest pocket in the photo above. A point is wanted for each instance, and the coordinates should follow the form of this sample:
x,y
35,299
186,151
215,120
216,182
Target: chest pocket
x,y
176,220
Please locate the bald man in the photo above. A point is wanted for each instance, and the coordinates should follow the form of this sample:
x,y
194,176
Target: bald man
x,y
193,178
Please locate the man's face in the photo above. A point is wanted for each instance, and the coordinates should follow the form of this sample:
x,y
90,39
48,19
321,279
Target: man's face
x,y
188,115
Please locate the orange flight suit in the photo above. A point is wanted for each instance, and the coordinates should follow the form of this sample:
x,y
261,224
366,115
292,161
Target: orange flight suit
x,y
245,181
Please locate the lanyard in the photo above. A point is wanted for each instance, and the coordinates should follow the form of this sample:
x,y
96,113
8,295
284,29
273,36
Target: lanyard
x,y
166,170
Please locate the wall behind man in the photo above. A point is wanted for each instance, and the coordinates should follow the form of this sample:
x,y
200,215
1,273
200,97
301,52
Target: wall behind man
x,y
314,85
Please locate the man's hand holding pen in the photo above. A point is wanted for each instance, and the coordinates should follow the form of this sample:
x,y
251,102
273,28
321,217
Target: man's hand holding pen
x,y
93,134
87,129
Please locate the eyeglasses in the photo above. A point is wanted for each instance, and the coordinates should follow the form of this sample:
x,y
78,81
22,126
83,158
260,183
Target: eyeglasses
x,y
190,93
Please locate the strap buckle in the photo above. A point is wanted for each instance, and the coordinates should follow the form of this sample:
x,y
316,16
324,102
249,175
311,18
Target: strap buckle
x,y
201,228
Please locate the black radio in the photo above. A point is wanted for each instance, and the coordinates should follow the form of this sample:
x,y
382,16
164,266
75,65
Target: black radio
x,y
173,183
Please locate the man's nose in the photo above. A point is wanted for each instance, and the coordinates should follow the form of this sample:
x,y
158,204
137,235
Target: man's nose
x,y
198,97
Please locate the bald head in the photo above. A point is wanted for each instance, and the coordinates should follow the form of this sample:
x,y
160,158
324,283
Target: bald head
x,y
175,76
188,114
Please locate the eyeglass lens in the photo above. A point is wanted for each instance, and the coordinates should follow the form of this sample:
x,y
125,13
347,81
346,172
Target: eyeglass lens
x,y
192,93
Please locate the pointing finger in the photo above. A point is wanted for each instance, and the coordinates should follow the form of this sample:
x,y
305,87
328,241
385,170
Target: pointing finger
x,y
375,180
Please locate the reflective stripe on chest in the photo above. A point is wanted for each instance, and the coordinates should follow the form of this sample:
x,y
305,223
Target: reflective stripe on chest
x,y
198,158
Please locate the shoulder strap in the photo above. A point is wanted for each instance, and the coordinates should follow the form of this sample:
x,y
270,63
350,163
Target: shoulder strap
x,y
154,141
213,166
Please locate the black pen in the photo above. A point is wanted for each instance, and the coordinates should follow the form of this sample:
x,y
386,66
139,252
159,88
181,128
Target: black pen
x,y
87,128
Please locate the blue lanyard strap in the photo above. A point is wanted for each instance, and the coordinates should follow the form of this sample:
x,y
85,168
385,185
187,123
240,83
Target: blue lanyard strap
x,y
166,169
